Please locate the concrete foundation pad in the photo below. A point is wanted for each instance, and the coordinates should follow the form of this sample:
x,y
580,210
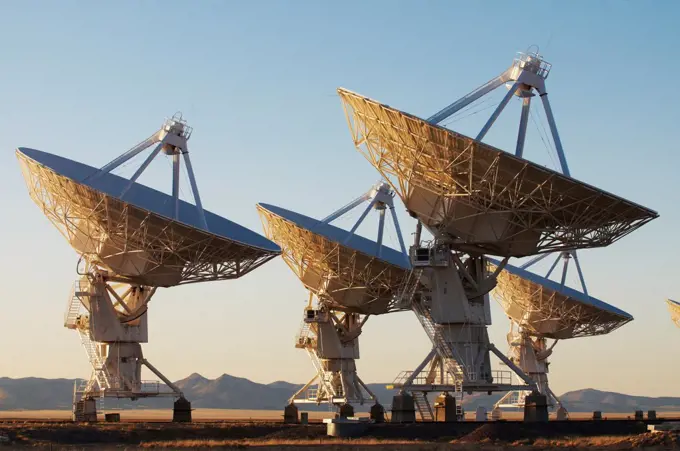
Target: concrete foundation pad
x,y
346,427
671,426
181,411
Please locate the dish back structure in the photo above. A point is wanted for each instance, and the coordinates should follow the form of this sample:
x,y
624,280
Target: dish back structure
x,y
351,278
477,200
674,309
132,240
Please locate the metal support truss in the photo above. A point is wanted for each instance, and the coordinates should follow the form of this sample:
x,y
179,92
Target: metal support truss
x,y
565,256
528,73
172,139
379,197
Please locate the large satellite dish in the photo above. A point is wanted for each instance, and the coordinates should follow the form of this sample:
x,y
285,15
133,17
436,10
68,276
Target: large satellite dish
x,y
476,199
133,239
349,272
132,229
538,307
546,308
485,199
352,278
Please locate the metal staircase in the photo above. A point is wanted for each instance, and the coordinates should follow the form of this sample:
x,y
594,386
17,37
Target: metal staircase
x,y
325,377
303,339
411,286
444,351
74,319
101,374
73,308
423,405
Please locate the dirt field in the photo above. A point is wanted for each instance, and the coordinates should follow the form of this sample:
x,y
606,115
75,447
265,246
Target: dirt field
x,y
494,436
238,429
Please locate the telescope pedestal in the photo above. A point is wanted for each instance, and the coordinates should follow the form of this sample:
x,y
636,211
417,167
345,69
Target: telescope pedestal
x,y
331,341
450,299
112,327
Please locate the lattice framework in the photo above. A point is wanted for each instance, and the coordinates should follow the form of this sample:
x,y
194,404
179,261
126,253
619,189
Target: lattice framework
x,y
674,309
75,208
574,319
410,152
304,252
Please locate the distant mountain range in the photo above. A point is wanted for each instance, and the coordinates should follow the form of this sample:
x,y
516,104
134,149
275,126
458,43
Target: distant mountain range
x,y
230,392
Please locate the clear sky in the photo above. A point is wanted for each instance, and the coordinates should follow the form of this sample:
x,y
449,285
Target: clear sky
x,y
257,81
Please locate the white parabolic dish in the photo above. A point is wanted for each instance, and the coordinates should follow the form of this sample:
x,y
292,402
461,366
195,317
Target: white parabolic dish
x,y
341,268
133,236
485,200
545,308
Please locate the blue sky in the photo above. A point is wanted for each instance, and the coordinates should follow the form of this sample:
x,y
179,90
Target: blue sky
x,y
257,81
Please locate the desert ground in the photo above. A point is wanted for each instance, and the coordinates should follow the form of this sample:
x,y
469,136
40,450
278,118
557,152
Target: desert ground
x,y
270,437
238,429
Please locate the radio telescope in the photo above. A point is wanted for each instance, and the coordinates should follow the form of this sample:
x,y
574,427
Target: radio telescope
x,y
351,278
131,240
528,346
542,309
477,200
674,309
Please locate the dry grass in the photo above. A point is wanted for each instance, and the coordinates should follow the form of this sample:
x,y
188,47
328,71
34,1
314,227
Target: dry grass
x,y
650,442
326,443
262,432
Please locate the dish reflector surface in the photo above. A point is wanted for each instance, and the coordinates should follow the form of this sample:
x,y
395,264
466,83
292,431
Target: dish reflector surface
x,y
134,236
674,308
338,235
485,199
546,308
343,269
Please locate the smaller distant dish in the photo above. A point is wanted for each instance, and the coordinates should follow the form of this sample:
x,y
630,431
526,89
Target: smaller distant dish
x,y
545,308
674,308
348,272
128,228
